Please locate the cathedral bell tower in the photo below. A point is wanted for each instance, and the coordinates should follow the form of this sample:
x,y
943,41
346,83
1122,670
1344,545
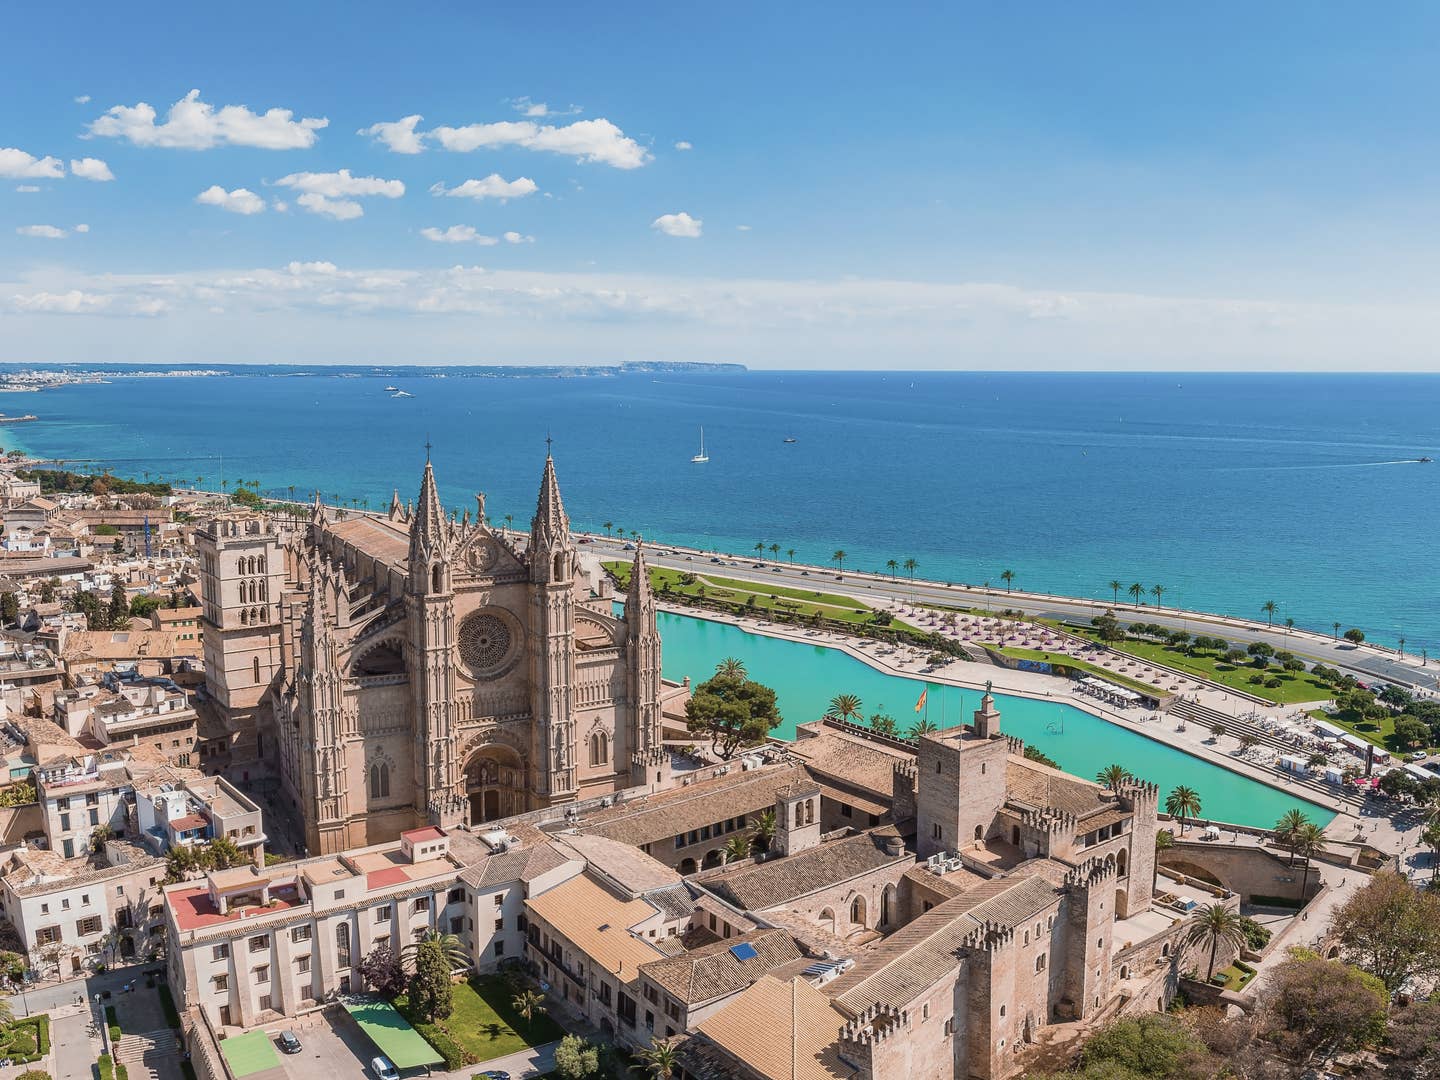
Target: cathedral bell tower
x,y
430,606
323,789
552,657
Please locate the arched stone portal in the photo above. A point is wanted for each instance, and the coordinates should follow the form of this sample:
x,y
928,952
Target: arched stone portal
x,y
494,783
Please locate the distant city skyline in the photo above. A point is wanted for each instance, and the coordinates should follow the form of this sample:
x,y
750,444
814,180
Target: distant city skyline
x,y
1049,188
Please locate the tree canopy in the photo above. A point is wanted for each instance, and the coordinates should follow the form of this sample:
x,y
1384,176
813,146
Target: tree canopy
x,y
1390,929
733,711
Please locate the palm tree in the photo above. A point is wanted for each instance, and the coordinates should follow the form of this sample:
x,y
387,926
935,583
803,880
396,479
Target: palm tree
x,y
660,1060
1164,840
1309,840
737,847
509,522
1008,577
760,547
1183,802
845,707
1402,648
1269,607
892,566
764,831
451,947
1289,624
1214,923
607,526
1337,630
1157,591
910,567
527,1003
1137,591
774,551
790,554
1290,824
731,667
839,557
1112,776
923,726
1115,587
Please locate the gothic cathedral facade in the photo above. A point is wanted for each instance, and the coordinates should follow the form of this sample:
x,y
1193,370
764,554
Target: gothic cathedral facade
x,y
420,669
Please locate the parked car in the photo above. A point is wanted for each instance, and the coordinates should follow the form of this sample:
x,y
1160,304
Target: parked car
x,y
495,1074
289,1044
382,1069
1418,755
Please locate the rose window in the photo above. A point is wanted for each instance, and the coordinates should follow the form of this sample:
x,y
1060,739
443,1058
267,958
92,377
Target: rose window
x,y
484,642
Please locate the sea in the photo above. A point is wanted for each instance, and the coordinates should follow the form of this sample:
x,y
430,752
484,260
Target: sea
x,y
1227,490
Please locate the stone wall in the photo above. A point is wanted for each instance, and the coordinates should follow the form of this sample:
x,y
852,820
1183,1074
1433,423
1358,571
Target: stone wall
x,y
1245,871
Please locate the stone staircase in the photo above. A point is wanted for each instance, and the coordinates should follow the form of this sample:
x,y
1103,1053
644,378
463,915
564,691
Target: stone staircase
x,y
150,1055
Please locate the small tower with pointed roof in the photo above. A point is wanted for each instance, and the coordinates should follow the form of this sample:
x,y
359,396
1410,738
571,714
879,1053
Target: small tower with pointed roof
x,y
642,638
552,558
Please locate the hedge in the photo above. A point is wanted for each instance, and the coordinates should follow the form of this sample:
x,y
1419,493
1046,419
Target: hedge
x,y
34,1074
107,1067
113,1023
42,1023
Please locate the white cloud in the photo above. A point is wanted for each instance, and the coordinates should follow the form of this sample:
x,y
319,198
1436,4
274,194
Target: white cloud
x,y
518,238
296,269
586,140
27,188
82,228
281,206
458,234
742,228
90,169
681,224
340,184
399,135
83,99
18,165
73,302
339,209
192,124
493,186
240,201
538,109
683,145
45,232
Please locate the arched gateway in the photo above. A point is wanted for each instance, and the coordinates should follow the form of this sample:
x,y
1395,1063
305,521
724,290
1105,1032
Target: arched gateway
x,y
495,783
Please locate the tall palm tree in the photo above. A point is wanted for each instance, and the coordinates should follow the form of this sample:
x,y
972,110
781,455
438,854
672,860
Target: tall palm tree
x,y
1213,924
607,526
910,567
527,1003
923,726
1183,802
845,707
451,947
1309,841
1269,607
774,551
737,847
1402,648
659,1059
1115,587
892,566
1164,840
731,667
760,547
1112,776
839,557
764,831
1337,630
1008,577
790,554
1137,591
1290,823
1157,591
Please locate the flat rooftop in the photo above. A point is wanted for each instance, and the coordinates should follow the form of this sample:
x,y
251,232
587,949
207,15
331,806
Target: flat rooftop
x,y
194,910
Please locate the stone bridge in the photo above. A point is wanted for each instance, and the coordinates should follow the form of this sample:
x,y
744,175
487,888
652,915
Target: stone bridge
x,y
1241,868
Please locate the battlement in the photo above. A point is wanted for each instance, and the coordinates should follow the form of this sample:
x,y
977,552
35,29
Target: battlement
x,y
988,937
1090,873
1048,821
871,1026
1016,745
656,755
906,769
1138,792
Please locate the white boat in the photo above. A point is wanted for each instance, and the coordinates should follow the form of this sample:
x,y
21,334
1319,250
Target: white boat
x,y
701,457
401,393
392,389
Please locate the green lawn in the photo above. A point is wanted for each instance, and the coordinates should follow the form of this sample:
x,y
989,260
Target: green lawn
x,y
1294,687
1236,977
483,1024
1381,732
1080,665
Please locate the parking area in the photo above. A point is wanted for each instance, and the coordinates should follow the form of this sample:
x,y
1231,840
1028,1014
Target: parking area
x,y
330,1046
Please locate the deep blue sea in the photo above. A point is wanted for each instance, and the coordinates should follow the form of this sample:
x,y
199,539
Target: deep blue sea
x,y
1227,490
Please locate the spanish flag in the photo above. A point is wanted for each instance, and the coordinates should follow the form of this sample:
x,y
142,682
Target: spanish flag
x,y
920,704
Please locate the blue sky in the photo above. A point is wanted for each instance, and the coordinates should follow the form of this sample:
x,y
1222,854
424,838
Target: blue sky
x,y
976,186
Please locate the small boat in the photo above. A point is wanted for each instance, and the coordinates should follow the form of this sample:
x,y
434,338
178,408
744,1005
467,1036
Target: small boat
x,y
701,457
1424,460
400,394
790,438
392,389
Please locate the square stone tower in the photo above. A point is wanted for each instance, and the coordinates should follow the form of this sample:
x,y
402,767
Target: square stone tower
x,y
960,783
797,817
241,577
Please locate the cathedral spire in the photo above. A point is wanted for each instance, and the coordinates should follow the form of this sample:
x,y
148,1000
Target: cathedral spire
x,y
639,597
396,510
429,531
551,526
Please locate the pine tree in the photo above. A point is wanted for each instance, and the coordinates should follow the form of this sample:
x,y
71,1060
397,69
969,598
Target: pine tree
x,y
430,993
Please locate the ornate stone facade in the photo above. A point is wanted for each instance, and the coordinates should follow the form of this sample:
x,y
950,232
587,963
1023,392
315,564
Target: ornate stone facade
x,y
434,670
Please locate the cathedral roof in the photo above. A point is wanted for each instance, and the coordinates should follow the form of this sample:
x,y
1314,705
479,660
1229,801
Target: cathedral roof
x,y
383,540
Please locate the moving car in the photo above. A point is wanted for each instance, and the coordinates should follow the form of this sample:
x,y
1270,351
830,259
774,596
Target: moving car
x,y
381,1068
289,1044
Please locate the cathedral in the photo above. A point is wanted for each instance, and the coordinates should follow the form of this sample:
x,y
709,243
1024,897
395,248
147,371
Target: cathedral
x,y
407,669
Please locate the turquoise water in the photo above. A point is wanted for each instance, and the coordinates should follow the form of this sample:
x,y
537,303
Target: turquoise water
x,y
806,677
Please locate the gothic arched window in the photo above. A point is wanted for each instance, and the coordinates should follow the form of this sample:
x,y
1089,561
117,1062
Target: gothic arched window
x,y
380,780
256,663
599,749
260,564
244,617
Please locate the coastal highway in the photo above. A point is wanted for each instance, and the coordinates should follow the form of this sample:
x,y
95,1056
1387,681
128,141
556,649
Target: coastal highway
x,y
1366,662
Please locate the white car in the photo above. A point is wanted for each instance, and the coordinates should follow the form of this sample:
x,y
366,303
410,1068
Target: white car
x,y
382,1069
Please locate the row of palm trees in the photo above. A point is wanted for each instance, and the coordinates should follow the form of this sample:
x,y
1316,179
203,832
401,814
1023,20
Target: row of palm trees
x,y
848,707
1137,591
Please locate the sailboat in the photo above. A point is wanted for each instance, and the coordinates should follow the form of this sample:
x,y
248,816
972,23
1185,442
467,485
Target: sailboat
x,y
701,457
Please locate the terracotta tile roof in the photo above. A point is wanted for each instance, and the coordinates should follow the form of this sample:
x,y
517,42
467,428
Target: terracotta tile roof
x,y
714,971
660,817
779,881
519,864
597,922
775,1031
1035,785
850,798
628,867
851,759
